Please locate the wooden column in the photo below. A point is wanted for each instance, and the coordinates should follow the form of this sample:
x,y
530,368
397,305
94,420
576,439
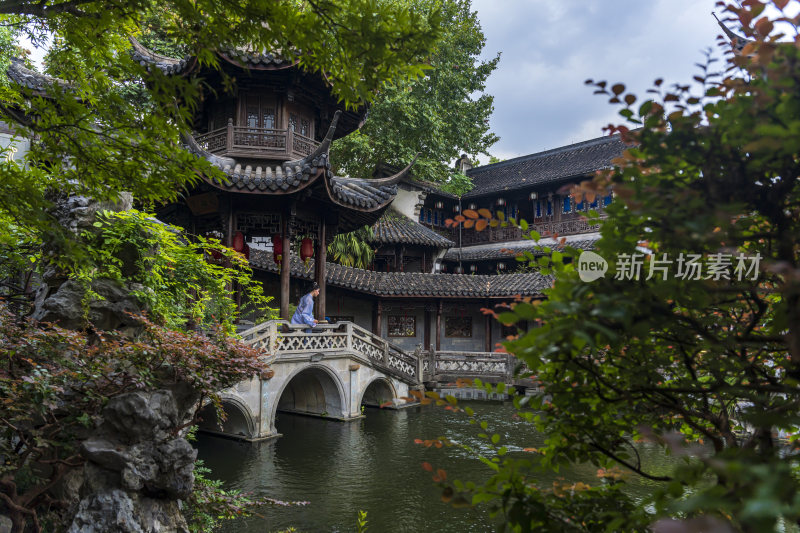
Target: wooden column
x,y
439,326
319,274
379,319
488,334
285,268
426,341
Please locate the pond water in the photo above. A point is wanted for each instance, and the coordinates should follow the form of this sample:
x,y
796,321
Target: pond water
x,y
374,465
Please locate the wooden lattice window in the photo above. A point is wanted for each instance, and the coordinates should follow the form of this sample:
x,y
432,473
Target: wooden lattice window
x,y
402,326
458,326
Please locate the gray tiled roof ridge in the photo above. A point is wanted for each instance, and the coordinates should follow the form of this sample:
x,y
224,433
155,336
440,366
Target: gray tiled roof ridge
x,y
414,284
395,227
552,151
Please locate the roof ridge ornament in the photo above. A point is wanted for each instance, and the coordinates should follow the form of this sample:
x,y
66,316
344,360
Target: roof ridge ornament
x,y
393,180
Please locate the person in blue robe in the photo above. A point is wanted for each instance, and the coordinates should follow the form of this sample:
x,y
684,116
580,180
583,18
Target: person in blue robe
x,y
304,314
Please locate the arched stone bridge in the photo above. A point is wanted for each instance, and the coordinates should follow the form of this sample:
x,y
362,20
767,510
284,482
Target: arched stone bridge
x,y
329,373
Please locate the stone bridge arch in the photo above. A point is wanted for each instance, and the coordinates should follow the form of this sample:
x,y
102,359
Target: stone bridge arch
x,y
378,391
314,390
240,421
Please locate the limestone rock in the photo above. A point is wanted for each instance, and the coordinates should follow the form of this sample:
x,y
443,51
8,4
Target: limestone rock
x,y
142,416
122,512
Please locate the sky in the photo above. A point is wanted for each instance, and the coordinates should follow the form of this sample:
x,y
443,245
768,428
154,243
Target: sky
x,y
550,47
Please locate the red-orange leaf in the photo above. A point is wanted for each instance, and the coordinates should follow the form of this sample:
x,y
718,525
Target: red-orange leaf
x,y
485,213
427,466
469,223
481,224
469,213
442,474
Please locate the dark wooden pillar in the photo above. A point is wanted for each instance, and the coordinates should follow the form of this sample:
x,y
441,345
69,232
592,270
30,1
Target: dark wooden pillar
x,y
426,341
439,326
488,334
319,266
285,268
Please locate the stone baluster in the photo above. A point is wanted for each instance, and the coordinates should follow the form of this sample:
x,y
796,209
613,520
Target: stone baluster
x,y
349,330
229,138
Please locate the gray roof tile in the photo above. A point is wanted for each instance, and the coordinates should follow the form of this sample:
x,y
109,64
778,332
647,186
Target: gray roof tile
x,y
414,284
396,228
543,167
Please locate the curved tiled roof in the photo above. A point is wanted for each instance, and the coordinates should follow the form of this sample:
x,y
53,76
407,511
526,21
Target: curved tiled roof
x,y
149,59
414,284
25,77
505,250
291,176
552,165
394,227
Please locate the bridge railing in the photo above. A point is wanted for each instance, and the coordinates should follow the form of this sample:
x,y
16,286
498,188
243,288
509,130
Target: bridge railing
x,y
489,367
282,339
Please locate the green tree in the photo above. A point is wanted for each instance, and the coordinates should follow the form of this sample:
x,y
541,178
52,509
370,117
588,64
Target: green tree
x,y
353,249
440,115
705,367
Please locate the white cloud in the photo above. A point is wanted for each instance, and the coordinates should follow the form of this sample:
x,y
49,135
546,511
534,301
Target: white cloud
x,y
550,47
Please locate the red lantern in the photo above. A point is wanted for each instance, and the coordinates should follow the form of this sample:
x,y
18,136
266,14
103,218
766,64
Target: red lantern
x,y
277,245
276,239
238,241
306,249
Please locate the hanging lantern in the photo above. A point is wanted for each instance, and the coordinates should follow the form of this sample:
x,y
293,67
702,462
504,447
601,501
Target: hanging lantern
x,y
456,208
439,204
473,268
277,257
459,269
238,241
277,245
276,239
501,202
306,249
533,195
501,266
473,206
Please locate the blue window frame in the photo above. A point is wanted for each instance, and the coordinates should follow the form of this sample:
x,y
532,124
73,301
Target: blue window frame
x,y
606,200
594,203
567,204
538,208
429,216
549,207
436,218
422,215
580,206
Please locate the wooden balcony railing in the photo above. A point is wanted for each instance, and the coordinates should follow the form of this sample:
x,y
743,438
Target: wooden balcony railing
x,y
571,226
244,141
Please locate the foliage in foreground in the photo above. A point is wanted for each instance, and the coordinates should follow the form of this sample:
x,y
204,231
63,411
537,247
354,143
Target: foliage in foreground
x,y
55,382
699,356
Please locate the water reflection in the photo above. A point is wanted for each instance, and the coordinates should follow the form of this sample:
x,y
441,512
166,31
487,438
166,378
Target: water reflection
x,y
372,465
